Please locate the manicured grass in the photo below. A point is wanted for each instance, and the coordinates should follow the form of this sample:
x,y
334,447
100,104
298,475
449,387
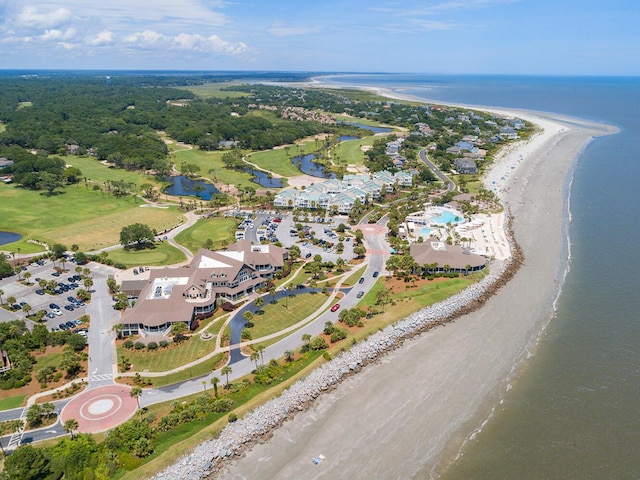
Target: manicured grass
x,y
217,229
162,254
214,90
211,167
198,370
277,317
276,161
350,151
168,358
77,216
12,402
354,276
97,172
3,127
50,360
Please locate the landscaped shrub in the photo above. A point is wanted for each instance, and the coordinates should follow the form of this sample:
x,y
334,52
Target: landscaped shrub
x,y
228,307
127,343
139,345
164,343
152,346
338,334
318,344
233,417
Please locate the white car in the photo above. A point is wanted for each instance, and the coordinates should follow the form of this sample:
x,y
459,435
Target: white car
x,y
56,312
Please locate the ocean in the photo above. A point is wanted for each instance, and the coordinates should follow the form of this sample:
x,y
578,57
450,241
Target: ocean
x,y
573,410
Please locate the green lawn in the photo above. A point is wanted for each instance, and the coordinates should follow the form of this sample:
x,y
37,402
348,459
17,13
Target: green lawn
x,y
277,317
275,161
214,90
51,360
3,127
12,402
198,370
97,173
217,229
211,167
164,359
350,151
76,216
162,254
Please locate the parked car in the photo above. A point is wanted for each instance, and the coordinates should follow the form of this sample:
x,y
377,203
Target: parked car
x,y
63,326
69,307
53,306
39,291
335,307
70,324
71,299
360,294
57,312
50,315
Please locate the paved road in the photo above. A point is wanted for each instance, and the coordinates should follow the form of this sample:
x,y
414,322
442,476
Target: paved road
x,y
423,156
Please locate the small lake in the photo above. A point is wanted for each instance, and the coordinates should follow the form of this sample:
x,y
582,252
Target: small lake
x,y
369,127
306,165
185,187
9,237
262,179
344,138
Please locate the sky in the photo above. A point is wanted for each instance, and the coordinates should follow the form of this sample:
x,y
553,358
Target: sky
x,y
562,37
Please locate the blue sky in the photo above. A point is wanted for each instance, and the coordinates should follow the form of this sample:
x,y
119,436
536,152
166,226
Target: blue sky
x,y
424,36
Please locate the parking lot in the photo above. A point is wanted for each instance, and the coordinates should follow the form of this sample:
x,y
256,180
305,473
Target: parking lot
x,y
59,307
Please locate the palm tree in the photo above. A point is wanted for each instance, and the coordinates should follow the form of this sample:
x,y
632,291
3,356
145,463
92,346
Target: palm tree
x,y
1,293
226,370
254,357
70,426
306,338
204,385
260,349
136,392
27,276
288,355
214,382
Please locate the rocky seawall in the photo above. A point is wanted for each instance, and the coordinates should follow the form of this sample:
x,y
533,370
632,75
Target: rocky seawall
x,y
210,457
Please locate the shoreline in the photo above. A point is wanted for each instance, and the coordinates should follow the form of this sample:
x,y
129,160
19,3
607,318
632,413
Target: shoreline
x,y
443,344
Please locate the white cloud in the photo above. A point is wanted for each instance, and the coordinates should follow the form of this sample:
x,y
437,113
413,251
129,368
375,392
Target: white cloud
x,y
103,38
279,29
55,34
31,17
184,41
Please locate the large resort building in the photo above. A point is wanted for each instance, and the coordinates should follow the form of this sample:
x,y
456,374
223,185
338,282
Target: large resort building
x,y
179,294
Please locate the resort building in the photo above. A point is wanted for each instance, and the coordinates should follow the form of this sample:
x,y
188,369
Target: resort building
x,y
341,195
179,294
446,258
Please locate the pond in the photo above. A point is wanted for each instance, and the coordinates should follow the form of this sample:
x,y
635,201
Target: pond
x,y
369,127
306,165
262,179
344,138
9,237
185,187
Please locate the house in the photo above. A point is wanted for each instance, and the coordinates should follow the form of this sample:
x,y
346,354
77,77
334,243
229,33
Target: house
x,y
446,258
5,163
173,295
465,166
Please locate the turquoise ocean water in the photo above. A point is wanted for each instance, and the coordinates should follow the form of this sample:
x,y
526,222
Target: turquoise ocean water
x,y
574,409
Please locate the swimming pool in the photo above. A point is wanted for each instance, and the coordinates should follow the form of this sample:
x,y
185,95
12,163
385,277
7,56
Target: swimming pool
x,y
425,232
446,216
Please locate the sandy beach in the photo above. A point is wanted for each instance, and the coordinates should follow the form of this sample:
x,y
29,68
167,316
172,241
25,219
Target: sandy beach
x,y
409,415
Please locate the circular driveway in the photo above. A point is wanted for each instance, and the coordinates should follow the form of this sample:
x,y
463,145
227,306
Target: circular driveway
x,y
101,408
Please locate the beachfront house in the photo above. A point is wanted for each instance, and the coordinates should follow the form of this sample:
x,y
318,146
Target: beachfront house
x,y
440,257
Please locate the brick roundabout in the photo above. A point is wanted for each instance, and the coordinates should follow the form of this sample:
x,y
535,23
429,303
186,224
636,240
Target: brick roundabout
x,y
371,229
100,409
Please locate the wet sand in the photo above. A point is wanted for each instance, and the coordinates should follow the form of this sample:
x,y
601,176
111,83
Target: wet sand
x,y
408,415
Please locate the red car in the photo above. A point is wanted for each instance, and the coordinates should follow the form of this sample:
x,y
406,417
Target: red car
x,y
335,307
